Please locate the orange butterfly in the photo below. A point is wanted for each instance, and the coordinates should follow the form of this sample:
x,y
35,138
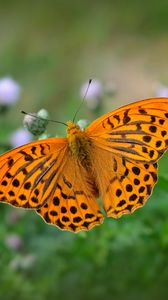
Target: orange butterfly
x,y
114,157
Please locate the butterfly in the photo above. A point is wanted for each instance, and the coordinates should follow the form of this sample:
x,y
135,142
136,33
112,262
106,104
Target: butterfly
x,y
114,158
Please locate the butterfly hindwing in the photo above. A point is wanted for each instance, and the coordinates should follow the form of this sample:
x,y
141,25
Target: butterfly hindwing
x,y
127,193
124,185
72,205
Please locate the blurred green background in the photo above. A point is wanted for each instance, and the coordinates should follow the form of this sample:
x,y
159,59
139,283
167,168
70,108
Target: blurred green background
x,y
51,48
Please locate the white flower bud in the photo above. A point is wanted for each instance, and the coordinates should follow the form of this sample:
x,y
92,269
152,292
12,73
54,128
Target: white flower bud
x,y
36,126
21,262
82,123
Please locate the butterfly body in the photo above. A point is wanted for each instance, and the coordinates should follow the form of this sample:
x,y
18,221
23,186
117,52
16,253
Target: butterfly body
x,y
79,144
115,157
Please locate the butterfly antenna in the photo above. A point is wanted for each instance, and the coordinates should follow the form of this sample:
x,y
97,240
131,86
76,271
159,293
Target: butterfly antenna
x,y
84,97
36,117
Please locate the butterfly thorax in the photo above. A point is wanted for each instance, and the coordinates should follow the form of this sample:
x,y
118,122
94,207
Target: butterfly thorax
x,y
79,144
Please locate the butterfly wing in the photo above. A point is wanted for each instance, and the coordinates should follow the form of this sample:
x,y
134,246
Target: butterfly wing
x,y
126,145
44,176
72,205
137,131
27,172
124,185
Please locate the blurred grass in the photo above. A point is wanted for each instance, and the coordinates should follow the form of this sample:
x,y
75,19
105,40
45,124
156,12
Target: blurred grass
x,y
51,48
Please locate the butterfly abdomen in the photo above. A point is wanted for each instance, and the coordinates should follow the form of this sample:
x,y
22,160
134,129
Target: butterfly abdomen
x,y
80,147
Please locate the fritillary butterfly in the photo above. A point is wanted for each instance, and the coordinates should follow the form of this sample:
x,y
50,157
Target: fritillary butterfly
x,y
115,157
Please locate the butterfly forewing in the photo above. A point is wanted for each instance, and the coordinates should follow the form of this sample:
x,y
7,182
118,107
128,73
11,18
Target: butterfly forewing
x,y
27,172
137,131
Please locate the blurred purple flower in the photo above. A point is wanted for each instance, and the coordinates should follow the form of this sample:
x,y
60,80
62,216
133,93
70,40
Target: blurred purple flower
x,y
14,242
162,91
20,137
9,91
94,93
14,215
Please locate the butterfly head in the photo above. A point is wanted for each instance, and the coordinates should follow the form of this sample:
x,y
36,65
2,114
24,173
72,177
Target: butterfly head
x,y
72,128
